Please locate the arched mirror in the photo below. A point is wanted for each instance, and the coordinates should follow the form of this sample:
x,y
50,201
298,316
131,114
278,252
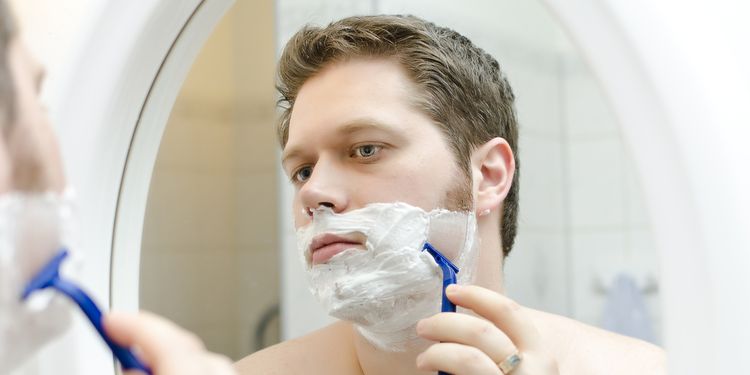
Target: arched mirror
x,y
218,252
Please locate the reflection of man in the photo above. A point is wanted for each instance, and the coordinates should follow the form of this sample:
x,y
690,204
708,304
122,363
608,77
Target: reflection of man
x,y
394,109
30,166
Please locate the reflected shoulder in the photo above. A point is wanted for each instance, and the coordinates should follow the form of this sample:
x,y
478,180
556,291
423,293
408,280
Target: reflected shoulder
x,y
326,351
584,349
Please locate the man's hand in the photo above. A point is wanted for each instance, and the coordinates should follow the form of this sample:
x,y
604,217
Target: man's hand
x,y
165,347
472,345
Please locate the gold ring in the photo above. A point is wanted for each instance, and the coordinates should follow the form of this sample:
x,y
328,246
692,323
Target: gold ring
x,y
510,363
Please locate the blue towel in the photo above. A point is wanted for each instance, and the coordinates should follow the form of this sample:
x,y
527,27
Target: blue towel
x,y
625,310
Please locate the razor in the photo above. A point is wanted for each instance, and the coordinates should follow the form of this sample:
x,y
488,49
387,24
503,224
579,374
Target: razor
x,y
49,277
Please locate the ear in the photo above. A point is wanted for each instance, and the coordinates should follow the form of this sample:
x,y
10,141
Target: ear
x,y
493,166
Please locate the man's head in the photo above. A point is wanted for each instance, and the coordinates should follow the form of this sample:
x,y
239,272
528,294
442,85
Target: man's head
x,y
29,156
395,108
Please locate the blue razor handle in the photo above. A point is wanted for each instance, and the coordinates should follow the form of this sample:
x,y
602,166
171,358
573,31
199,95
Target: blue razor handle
x,y
49,277
449,277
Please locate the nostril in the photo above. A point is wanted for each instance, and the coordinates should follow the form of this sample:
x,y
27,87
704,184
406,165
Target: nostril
x,y
326,204
310,210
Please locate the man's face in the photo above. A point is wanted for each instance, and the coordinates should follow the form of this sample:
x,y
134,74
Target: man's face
x,y
355,137
29,155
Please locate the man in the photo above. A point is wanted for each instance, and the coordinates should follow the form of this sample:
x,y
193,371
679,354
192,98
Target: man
x,y
387,109
30,163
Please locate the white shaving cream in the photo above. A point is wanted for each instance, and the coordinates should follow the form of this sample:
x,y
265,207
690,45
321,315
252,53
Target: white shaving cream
x,y
388,287
33,228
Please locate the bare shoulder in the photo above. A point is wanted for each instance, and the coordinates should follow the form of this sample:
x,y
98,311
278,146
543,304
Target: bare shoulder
x,y
326,351
584,349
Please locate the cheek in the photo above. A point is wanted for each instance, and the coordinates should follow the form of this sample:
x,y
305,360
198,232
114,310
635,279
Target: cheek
x,y
428,179
412,182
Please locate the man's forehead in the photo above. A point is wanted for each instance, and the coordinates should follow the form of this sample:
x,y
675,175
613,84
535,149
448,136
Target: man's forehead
x,y
361,80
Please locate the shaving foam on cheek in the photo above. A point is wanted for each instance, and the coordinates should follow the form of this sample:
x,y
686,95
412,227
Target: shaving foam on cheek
x,y
33,227
389,286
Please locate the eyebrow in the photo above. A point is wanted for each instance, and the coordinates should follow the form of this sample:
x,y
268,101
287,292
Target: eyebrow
x,y
366,123
350,127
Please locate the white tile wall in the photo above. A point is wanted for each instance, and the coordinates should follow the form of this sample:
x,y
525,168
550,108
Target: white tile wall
x,y
170,284
542,198
596,183
636,211
588,113
608,221
293,14
536,271
485,22
538,102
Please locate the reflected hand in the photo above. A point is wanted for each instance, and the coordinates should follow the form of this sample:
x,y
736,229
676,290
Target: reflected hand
x,y
476,345
165,347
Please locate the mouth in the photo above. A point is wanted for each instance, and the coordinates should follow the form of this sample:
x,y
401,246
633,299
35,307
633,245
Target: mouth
x,y
327,245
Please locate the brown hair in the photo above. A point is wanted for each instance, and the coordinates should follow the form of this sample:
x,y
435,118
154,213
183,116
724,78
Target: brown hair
x,y
7,91
463,88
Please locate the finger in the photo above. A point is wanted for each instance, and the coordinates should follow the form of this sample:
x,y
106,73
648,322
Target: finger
x,y
154,336
456,359
467,330
500,310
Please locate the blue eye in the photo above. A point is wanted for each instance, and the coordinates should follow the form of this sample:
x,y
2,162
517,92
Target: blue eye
x,y
366,151
302,174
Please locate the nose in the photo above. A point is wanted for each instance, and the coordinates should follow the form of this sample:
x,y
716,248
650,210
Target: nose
x,y
324,188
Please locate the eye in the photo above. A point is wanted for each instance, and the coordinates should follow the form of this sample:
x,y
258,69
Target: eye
x,y
366,151
302,174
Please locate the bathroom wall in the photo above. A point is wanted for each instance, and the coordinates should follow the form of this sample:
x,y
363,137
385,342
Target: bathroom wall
x,y
607,226
209,258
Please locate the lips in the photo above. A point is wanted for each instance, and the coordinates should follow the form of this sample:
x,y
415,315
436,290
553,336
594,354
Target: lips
x,y
325,246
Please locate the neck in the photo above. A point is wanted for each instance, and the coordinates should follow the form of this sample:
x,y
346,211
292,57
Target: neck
x,y
489,271
374,361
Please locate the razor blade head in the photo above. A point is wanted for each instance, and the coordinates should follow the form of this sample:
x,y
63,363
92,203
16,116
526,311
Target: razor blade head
x,y
46,276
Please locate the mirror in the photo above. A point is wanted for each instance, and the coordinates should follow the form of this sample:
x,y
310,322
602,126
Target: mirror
x,y
217,252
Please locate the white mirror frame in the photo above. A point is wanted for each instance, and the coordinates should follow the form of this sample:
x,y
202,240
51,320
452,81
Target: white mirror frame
x,y
111,110
116,102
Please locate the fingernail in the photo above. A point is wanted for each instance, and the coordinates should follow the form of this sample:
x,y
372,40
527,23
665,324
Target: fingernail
x,y
452,289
